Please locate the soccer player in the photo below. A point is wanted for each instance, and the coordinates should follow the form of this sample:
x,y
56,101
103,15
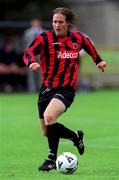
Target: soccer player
x,y
59,61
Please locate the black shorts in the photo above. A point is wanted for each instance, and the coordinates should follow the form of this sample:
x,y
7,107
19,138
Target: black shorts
x,y
64,94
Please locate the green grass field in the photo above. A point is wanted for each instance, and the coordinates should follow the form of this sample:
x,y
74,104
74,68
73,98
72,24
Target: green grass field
x,y
23,148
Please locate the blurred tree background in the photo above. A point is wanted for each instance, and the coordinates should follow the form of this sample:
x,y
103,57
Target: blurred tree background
x,y
16,15
27,10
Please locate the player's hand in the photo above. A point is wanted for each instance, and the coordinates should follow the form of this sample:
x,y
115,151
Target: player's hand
x,y
34,67
101,66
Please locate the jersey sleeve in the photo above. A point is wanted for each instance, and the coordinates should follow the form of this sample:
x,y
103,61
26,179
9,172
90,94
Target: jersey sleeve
x,y
89,47
33,50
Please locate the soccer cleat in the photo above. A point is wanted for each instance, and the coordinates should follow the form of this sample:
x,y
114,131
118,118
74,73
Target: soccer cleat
x,y
48,165
79,142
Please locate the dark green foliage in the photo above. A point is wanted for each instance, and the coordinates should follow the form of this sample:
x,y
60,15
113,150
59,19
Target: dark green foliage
x,y
26,10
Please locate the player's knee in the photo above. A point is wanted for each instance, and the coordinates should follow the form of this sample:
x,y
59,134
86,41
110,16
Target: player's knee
x,y
45,133
49,118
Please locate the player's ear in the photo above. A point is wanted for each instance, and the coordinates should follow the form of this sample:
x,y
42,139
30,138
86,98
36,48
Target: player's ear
x,y
68,23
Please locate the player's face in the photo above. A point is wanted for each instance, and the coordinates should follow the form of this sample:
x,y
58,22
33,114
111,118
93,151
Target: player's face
x,y
60,25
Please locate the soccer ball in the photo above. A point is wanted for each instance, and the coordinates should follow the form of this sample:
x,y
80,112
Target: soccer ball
x,y
67,163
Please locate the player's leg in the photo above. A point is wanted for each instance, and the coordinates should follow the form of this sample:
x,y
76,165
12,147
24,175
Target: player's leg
x,y
54,109
66,95
51,114
43,127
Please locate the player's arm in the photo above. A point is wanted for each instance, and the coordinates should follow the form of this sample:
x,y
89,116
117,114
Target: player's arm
x,y
31,53
90,49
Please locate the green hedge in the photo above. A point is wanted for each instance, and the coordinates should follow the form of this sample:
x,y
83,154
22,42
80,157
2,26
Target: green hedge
x,y
110,56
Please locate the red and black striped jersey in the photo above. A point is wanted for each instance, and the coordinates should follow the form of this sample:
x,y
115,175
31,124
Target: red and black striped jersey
x,y
59,57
